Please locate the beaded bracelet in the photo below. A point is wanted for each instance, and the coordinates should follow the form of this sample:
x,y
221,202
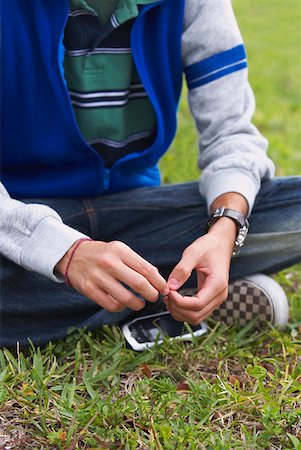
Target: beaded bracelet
x,y
80,241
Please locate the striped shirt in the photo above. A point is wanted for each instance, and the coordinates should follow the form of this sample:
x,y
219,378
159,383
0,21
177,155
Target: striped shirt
x,y
110,104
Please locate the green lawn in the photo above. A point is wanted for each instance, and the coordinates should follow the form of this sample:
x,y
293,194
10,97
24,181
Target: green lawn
x,y
231,389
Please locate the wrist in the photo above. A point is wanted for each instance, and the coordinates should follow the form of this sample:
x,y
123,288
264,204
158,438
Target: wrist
x,y
241,223
225,230
69,257
62,266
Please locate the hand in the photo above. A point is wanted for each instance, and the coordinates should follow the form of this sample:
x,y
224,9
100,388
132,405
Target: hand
x,y
98,270
210,256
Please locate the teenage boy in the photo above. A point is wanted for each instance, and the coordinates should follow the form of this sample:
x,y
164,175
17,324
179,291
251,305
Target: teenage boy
x,y
90,91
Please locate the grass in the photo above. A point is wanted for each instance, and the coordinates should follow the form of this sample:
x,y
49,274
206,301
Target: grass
x,y
230,389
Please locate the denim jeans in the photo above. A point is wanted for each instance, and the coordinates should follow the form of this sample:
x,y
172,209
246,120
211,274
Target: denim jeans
x,y
158,223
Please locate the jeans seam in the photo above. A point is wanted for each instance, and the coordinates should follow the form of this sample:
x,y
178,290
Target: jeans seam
x,y
92,217
194,226
123,208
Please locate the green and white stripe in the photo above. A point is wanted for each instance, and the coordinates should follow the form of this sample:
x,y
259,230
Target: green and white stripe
x,y
111,107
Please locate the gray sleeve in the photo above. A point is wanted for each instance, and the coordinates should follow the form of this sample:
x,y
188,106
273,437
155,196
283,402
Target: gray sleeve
x,y
232,152
33,235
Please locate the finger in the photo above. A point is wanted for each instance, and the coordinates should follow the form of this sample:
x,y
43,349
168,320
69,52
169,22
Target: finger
x,y
180,314
207,312
192,303
183,269
105,300
138,283
183,315
201,278
215,285
177,317
192,309
121,294
193,316
150,272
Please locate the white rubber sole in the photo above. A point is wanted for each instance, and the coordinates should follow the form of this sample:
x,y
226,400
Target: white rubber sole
x,y
276,296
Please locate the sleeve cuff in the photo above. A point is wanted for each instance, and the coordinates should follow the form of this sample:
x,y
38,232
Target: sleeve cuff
x,y
48,243
229,180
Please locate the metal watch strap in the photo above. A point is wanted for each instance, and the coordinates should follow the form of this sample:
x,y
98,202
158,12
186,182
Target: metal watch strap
x,y
240,221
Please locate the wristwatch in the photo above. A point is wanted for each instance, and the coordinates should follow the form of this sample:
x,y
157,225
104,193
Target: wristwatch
x,y
242,225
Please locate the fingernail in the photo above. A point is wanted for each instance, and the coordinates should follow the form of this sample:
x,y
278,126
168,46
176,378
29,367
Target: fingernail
x,y
165,300
166,291
173,283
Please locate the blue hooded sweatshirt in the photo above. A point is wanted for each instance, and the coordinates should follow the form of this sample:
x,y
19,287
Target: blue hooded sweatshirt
x,y
43,153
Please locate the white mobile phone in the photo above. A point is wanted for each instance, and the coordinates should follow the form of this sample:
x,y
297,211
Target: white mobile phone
x,y
143,332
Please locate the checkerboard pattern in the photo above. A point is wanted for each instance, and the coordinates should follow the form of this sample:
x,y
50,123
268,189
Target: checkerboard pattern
x,y
244,303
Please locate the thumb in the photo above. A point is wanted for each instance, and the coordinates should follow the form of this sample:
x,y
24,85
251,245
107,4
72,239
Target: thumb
x,y
181,272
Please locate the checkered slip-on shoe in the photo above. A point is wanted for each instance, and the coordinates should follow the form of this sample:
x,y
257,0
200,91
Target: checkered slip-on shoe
x,y
257,296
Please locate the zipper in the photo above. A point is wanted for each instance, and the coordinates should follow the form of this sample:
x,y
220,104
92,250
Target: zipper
x,y
106,172
145,83
106,179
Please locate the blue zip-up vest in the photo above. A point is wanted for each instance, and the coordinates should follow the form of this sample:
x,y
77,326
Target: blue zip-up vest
x,y
43,153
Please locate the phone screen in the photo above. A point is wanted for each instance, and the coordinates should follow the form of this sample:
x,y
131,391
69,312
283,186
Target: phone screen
x,y
148,329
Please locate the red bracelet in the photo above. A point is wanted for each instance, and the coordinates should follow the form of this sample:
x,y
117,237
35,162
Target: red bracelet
x,y
80,241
